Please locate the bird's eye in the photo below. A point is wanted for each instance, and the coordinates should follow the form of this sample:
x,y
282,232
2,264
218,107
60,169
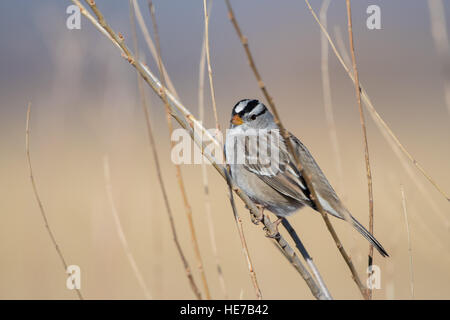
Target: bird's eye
x,y
253,117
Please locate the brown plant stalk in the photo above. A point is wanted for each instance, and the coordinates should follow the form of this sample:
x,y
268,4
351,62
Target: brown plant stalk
x,y
151,45
236,216
240,228
382,125
152,143
205,180
341,50
181,184
156,223
38,199
364,130
186,119
303,174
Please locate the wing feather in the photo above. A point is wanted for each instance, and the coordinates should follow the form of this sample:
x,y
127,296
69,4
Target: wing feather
x,y
279,170
274,166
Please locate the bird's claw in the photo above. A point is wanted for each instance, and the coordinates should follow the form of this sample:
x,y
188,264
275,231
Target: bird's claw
x,y
276,233
272,235
254,218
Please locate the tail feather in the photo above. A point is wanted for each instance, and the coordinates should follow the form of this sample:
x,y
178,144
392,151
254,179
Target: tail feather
x,y
366,234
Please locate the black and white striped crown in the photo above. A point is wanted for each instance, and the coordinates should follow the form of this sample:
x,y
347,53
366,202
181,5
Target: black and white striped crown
x,y
246,106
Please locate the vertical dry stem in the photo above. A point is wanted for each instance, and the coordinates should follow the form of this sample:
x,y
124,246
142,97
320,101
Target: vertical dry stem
x,y
230,193
238,221
364,130
382,125
209,216
344,58
150,45
187,206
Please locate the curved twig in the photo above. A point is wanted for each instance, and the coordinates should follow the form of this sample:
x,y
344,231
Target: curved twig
x,y
38,198
119,229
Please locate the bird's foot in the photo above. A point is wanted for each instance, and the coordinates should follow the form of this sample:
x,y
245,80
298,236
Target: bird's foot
x,y
256,220
276,233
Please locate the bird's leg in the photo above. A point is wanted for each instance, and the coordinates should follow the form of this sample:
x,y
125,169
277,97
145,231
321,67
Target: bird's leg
x,y
277,222
255,219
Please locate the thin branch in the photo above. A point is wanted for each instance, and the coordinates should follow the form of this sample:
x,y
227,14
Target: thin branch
x,y
236,216
342,52
209,216
303,174
119,229
150,44
377,118
145,108
38,199
238,221
411,269
169,211
364,130
156,232
187,206
187,120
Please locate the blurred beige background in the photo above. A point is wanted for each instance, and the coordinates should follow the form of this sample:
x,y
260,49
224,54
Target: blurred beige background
x,y
86,105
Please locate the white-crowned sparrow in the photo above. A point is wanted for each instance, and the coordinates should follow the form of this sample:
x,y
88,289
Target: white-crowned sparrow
x,y
270,177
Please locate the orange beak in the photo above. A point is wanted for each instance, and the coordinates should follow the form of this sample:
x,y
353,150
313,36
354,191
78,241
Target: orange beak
x,y
237,120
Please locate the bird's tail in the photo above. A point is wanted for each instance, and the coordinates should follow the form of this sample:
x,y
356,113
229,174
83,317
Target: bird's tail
x,y
366,234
